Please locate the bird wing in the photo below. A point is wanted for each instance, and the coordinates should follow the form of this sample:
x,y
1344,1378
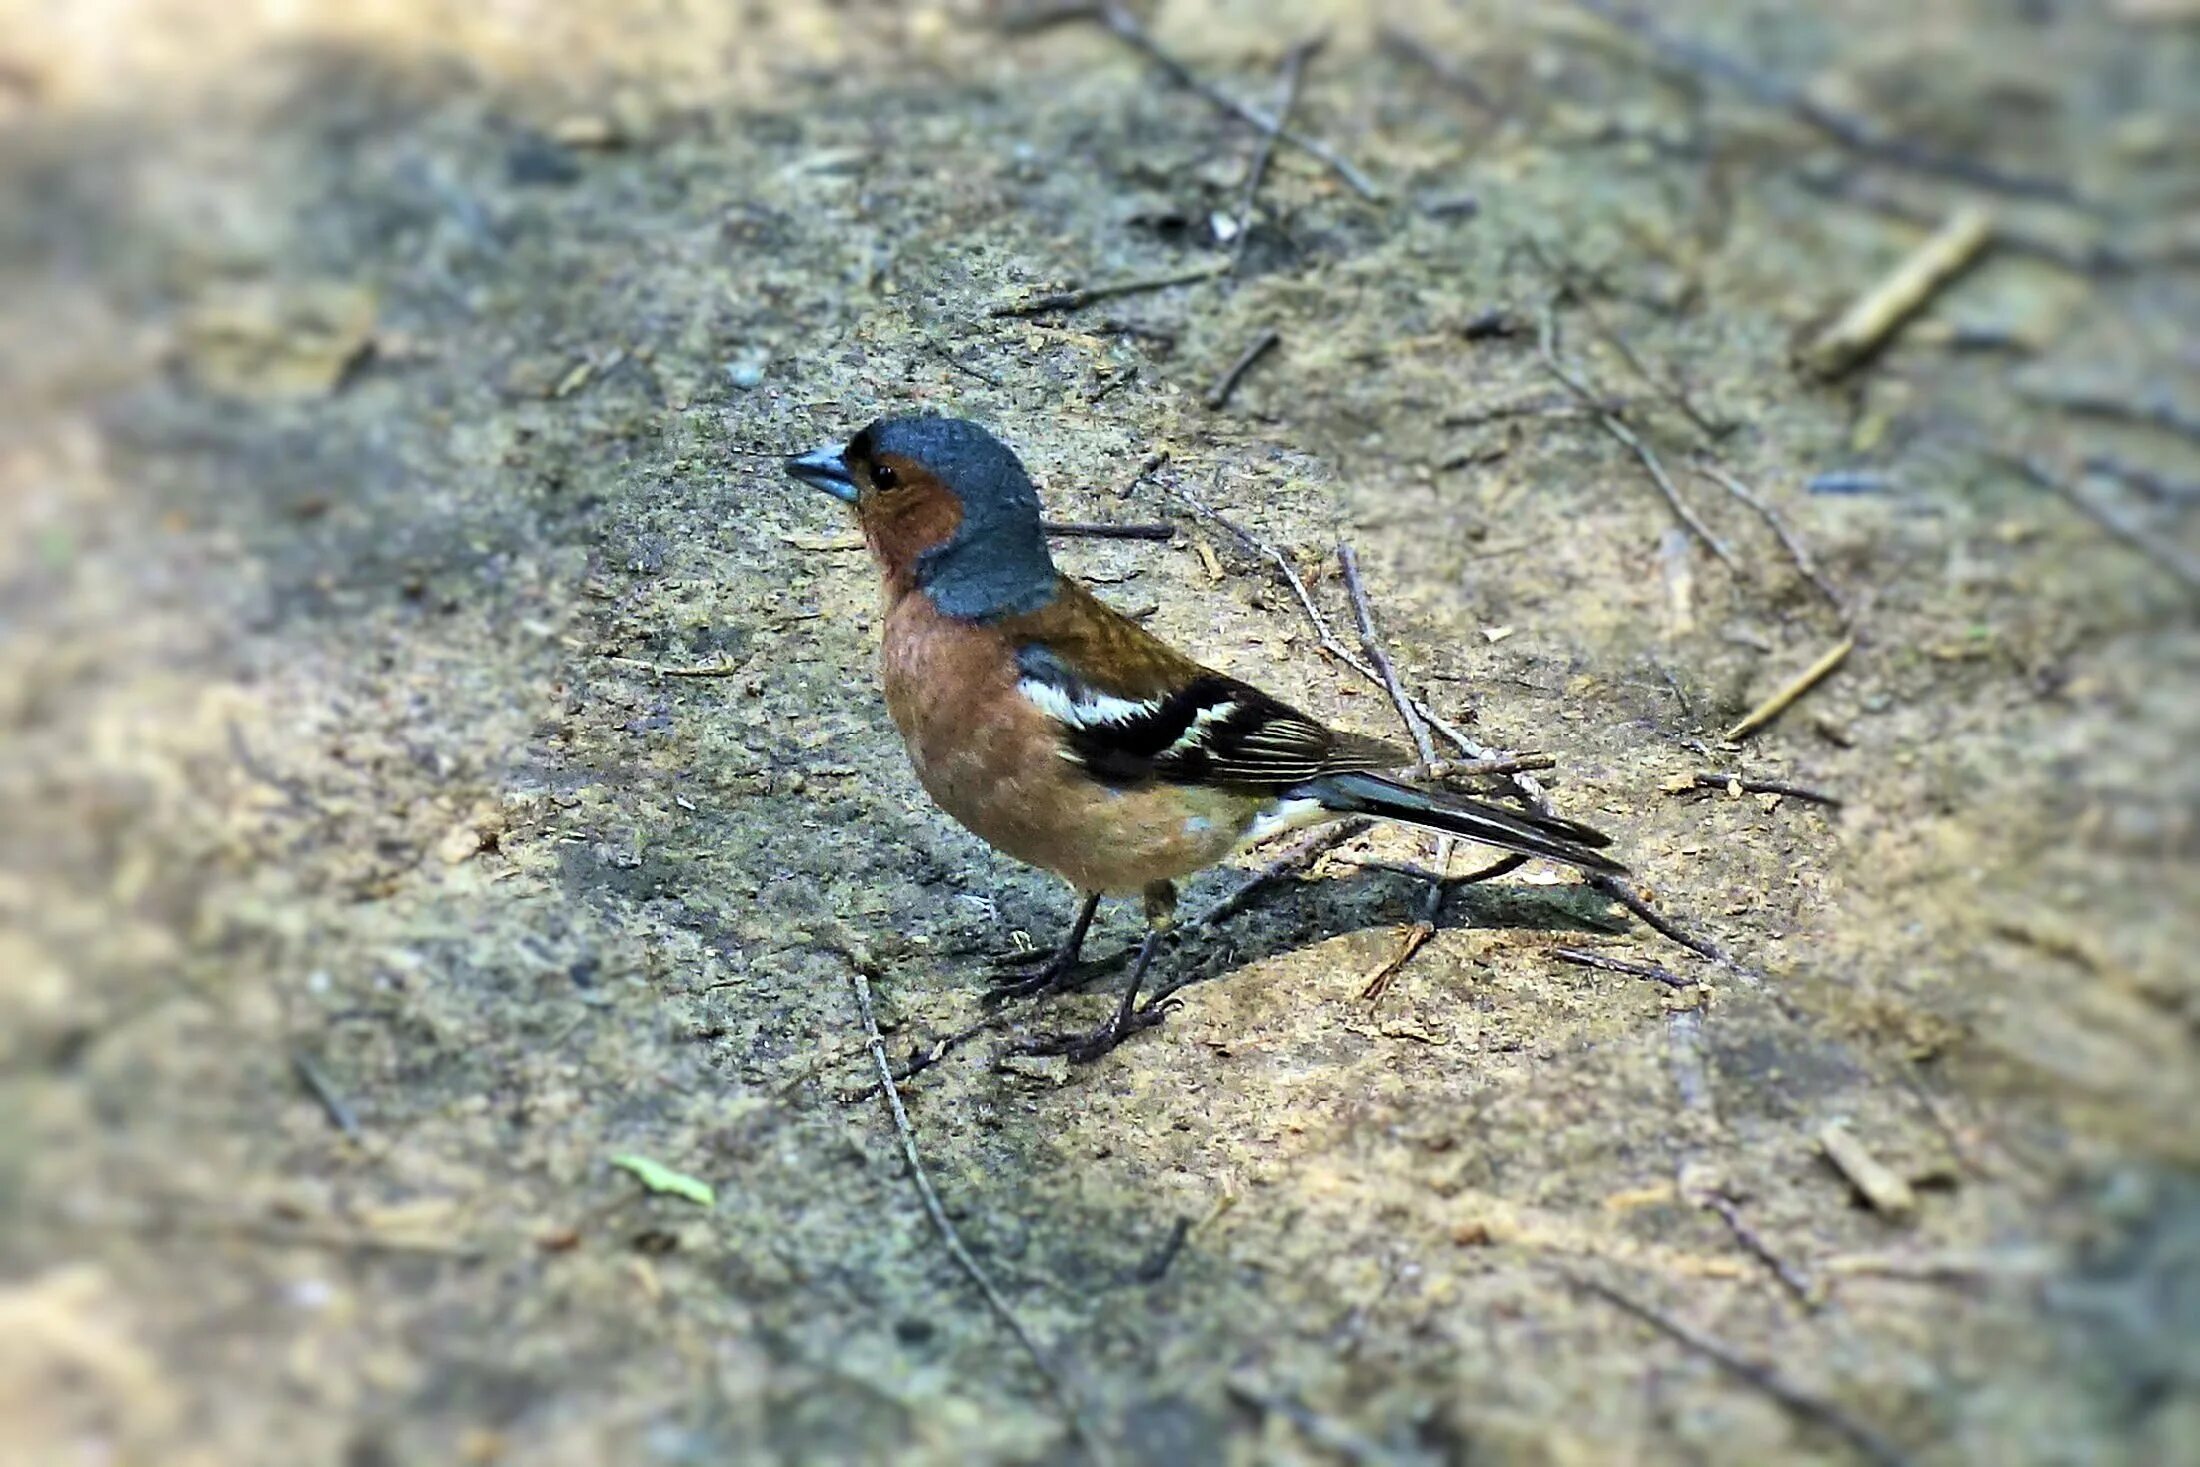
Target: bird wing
x,y
1133,710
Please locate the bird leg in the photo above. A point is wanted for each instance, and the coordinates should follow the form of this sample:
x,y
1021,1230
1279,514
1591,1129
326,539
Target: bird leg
x,y
1130,1017
1042,973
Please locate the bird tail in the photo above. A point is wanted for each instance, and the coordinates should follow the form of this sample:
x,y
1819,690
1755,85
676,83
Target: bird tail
x,y
1470,819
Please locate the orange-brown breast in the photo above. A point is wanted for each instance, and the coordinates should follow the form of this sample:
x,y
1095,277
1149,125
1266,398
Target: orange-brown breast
x,y
990,758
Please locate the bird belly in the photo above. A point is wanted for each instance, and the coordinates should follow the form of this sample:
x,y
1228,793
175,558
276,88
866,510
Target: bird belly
x,y
991,759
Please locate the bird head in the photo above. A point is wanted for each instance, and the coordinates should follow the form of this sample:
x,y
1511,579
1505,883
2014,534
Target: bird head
x,y
947,510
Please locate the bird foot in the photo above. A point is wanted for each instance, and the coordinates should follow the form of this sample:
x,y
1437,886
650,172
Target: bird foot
x,y
1035,974
1083,1049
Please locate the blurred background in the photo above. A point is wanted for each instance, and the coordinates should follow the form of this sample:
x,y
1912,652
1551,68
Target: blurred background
x,y
446,802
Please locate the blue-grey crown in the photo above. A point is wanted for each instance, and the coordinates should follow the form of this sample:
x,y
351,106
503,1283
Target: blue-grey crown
x,y
996,564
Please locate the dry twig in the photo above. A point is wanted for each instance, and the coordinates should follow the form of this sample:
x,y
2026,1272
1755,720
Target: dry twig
x,y
860,983
1865,326
1089,530
1227,383
1712,779
2157,410
1432,903
1085,295
1546,343
2165,554
1865,1439
1582,957
1778,703
1797,1282
1853,133
1718,474
1127,28
1287,97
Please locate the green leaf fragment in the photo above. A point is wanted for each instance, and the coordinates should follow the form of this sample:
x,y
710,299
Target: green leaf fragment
x,y
658,1177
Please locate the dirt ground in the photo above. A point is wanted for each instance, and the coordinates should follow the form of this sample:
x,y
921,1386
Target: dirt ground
x,y
389,394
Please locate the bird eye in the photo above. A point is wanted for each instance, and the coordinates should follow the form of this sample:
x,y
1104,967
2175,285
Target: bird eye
x,y
883,477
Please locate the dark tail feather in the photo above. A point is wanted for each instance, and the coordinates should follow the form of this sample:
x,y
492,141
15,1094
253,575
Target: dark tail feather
x,y
1470,819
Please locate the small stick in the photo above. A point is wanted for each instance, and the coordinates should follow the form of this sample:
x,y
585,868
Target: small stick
x,y
715,669
1865,1439
1504,764
952,1240
2180,566
1372,645
1287,97
1151,462
2157,411
1089,530
1582,957
1432,904
1712,779
1798,1283
1627,436
1227,383
1085,295
1865,327
939,350
324,1091
2152,483
1125,26
1777,704
1303,853
2092,260
1887,1192
1718,474
1851,132
1419,52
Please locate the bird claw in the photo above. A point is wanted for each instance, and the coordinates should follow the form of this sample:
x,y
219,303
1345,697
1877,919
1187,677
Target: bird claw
x,y
1083,1049
1036,974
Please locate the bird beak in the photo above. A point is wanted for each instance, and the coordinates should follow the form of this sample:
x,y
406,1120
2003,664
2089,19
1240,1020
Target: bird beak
x,y
824,468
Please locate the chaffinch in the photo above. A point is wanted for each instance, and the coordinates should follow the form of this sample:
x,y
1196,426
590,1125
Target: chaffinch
x,y
1068,736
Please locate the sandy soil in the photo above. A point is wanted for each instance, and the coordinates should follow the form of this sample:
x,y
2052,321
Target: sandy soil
x,y
387,392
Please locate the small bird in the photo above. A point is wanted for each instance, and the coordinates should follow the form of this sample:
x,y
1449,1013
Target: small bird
x,y
1068,736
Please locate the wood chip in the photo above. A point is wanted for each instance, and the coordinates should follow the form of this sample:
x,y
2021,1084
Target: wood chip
x,y
1888,1194
1866,325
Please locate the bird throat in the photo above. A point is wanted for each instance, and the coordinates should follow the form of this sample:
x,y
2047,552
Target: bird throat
x,y
987,573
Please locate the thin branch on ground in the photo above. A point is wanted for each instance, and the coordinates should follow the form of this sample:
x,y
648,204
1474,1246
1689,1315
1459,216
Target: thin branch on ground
x,y
1546,344
1432,902
1371,643
1088,530
1873,319
1865,1439
1796,1281
1718,474
2152,483
1218,395
1786,695
860,983
1450,769
2166,555
1287,97
2157,410
1713,779
1302,854
1582,957
1450,73
325,1093
712,669
2091,260
1085,295
1127,28
1853,133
